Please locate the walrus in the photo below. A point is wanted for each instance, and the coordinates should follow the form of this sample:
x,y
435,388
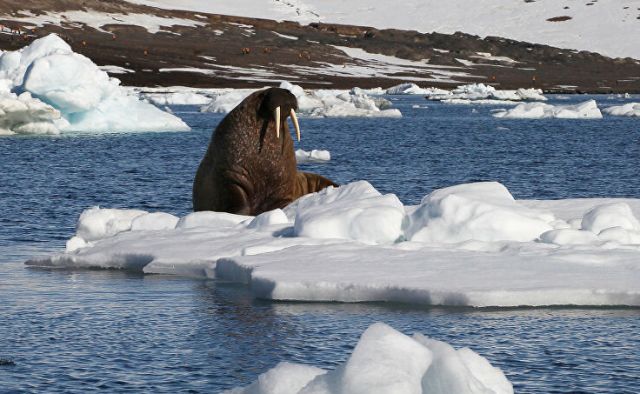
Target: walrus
x,y
250,165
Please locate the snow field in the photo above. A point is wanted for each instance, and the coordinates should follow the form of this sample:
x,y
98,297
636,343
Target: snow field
x,y
470,244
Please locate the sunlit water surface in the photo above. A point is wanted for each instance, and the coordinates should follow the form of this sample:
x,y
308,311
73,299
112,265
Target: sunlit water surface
x,y
78,331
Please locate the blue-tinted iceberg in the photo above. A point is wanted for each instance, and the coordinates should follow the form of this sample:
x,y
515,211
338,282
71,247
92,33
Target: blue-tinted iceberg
x,y
46,88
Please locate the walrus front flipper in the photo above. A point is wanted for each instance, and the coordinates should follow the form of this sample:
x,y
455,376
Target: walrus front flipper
x,y
307,182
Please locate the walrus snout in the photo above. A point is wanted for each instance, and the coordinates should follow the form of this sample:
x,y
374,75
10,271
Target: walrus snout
x,y
278,103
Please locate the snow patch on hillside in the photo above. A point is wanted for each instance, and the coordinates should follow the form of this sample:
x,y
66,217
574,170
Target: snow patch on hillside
x,y
608,27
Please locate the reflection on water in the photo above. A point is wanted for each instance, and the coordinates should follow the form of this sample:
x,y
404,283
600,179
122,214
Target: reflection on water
x,y
77,331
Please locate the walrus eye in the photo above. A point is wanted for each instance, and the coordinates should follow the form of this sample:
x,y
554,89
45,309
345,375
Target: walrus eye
x,y
294,119
277,116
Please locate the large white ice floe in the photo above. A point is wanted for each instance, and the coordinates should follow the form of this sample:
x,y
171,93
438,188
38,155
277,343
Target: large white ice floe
x,y
46,88
587,110
471,244
316,103
629,109
387,361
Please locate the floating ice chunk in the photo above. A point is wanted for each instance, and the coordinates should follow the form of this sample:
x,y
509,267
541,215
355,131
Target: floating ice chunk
x,y
460,371
338,104
284,378
224,102
154,221
387,361
97,223
587,110
27,115
355,211
483,211
316,103
481,93
73,94
383,361
177,98
607,216
569,237
369,92
412,88
314,156
629,109
211,219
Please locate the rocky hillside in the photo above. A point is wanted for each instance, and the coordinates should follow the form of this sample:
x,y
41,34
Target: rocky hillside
x,y
147,46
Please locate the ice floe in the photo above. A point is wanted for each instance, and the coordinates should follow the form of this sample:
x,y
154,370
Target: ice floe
x,y
387,361
316,103
470,244
313,156
629,109
481,93
176,98
46,88
587,110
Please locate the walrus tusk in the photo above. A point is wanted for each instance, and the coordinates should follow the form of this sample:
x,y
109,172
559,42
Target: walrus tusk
x,y
294,119
277,116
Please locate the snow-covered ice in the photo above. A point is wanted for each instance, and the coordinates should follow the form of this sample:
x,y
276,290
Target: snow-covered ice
x,y
587,110
312,156
629,109
46,88
315,103
387,361
412,88
484,94
470,244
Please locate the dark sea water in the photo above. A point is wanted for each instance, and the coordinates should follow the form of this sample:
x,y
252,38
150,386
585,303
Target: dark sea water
x,y
87,330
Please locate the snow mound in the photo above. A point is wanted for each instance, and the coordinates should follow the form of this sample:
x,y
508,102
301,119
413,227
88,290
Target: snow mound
x,y
314,156
629,109
387,361
61,91
469,244
587,110
608,216
484,211
355,211
316,103
481,92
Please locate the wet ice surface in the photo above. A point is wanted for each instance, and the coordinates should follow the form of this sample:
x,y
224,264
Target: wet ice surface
x,y
70,330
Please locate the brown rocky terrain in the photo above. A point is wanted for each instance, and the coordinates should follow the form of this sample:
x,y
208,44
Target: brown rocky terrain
x,y
229,51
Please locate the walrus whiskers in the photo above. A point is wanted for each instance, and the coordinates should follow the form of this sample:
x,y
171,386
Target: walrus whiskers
x,y
277,116
294,119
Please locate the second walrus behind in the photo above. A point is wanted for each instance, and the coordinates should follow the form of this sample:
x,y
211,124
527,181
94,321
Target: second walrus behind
x,y
250,166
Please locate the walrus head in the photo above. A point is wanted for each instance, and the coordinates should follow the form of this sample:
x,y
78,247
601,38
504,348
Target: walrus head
x,y
278,104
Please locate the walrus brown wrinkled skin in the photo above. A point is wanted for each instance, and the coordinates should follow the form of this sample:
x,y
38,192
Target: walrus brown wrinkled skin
x,y
248,169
